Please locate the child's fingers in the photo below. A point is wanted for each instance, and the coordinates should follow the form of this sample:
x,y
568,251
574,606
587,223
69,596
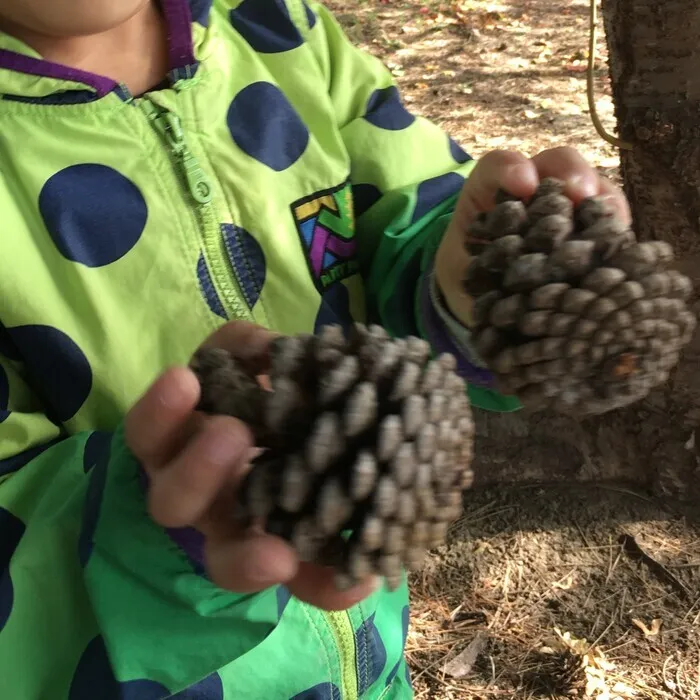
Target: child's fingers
x,y
616,199
250,563
246,341
567,164
159,416
508,170
315,586
215,457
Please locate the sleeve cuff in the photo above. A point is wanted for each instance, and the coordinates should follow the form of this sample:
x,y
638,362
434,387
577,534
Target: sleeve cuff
x,y
446,334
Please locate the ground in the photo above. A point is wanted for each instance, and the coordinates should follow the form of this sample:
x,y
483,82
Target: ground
x,y
551,591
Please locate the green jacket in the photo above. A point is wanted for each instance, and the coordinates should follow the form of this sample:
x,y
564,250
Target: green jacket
x,y
274,177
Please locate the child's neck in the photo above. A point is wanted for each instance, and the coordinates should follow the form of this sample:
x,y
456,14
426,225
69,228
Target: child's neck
x,y
134,53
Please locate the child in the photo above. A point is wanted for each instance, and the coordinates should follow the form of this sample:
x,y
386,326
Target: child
x,y
166,167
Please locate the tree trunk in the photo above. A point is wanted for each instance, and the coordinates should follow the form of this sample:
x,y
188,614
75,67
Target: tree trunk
x,y
654,52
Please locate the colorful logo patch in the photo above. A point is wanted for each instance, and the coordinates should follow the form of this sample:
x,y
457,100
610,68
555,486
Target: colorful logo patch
x,y
326,225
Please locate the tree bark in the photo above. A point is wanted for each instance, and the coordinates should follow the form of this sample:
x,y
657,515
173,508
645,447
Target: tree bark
x,y
654,50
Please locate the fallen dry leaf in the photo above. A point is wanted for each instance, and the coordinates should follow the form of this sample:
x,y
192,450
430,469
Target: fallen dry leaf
x,y
462,664
648,631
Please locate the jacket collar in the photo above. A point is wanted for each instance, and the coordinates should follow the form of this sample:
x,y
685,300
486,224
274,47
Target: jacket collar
x,y
43,80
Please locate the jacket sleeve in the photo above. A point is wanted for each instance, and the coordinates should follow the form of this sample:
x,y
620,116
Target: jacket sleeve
x,y
406,176
87,580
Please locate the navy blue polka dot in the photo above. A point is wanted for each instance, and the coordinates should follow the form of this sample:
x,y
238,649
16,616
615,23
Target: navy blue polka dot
x,y
57,368
310,16
93,213
91,506
142,690
364,197
211,688
200,10
96,448
371,655
93,675
206,286
322,691
266,25
458,153
407,674
283,598
385,110
247,260
435,191
7,347
405,619
11,531
4,394
264,125
334,309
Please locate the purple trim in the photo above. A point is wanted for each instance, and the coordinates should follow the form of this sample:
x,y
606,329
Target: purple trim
x,y
20,63
180,51
191,542
441,341
187,539
179,20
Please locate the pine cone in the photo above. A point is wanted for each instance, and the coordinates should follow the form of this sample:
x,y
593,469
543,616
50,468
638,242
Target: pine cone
x,y
367,446
570,311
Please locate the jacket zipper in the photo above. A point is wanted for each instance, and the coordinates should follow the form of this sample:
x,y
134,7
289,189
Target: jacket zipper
x,y
199,186
341,626
200,189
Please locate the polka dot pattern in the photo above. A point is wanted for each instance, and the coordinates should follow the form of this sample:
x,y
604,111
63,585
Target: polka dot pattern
x,y
200,10
247,260
56,365
211,688
322,691
94,677
4,394
91,506
458,153
265,126
310,16
283,598
266,26
435,191
96,448
7,347
386,111
11,532
206,286
371,655
93,674
16,462
93,213
334,309
364,196
142,690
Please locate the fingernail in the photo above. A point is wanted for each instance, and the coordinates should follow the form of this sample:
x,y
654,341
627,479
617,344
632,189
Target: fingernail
x,y
581,186
271,566
176,389
223,448
519,180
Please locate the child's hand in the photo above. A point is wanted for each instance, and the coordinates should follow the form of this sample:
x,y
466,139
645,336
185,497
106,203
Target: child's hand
x,y
519,176
194,463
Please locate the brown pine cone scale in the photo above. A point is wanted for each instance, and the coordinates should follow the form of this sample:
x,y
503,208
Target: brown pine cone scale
x,y
570,311
367,445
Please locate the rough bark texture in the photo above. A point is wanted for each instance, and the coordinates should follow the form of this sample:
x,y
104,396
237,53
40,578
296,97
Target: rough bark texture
x,y
655,58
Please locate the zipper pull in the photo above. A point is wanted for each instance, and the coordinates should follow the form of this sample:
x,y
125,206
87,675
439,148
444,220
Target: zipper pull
x,y
197,181
168,124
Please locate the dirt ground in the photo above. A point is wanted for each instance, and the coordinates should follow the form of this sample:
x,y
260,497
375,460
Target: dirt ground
x,y
544,591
